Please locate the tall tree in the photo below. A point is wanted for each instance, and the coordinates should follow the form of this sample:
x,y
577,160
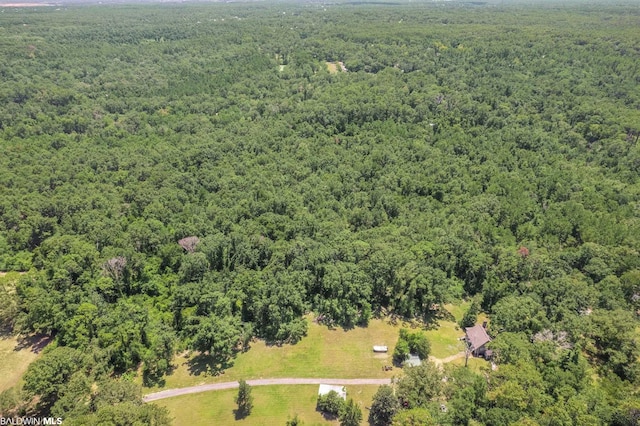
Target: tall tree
x,y
350,414
420,385
244,399
385,405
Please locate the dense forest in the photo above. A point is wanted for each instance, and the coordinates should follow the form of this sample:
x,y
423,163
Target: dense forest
x,y
193,176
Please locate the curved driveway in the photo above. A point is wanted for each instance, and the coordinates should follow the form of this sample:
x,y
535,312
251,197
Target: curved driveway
x,y
260,382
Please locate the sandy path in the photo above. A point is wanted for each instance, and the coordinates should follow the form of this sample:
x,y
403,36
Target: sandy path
x,y
440,361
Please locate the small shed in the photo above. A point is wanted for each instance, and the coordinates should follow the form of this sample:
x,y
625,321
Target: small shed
x,y
381,349
413,361
477,338
340,390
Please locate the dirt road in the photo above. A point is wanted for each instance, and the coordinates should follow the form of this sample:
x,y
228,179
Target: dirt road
x,y
440,361
260,382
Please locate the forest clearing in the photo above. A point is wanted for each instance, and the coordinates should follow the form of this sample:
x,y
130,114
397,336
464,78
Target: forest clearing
x,y
323,352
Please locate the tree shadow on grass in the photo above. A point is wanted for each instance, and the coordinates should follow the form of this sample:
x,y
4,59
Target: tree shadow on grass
x,y
330,417
239,414
35,342
430,320
5,332
157,377
208,365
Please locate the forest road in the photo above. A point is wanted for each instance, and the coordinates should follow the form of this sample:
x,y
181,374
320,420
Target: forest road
x,y
260,382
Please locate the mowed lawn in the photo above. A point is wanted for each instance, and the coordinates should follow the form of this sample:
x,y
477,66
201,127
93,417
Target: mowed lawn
x,y
273,405
332,67
477,365
445,339
322,353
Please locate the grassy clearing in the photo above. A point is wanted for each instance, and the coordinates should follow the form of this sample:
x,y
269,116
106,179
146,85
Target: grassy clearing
x,y
13,361
445,341
332,67
273,405
458,310
323,353
477,365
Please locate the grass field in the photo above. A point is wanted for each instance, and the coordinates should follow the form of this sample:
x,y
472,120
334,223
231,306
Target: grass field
x,y
273,405
445,340
13,362
322,353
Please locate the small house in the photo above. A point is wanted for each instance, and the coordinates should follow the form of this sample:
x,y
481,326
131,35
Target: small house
x,y
477,338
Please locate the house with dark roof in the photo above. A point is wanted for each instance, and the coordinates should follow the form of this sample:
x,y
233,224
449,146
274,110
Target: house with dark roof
x,y
477,338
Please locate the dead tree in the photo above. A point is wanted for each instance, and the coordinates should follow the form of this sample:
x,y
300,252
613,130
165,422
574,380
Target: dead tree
x,y
189,243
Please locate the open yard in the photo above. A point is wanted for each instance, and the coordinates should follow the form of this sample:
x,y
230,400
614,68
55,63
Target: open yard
x,y
273,405
477,365
322,353
445,340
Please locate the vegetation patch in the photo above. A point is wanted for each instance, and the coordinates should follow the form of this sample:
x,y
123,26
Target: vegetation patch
x,y
445,340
